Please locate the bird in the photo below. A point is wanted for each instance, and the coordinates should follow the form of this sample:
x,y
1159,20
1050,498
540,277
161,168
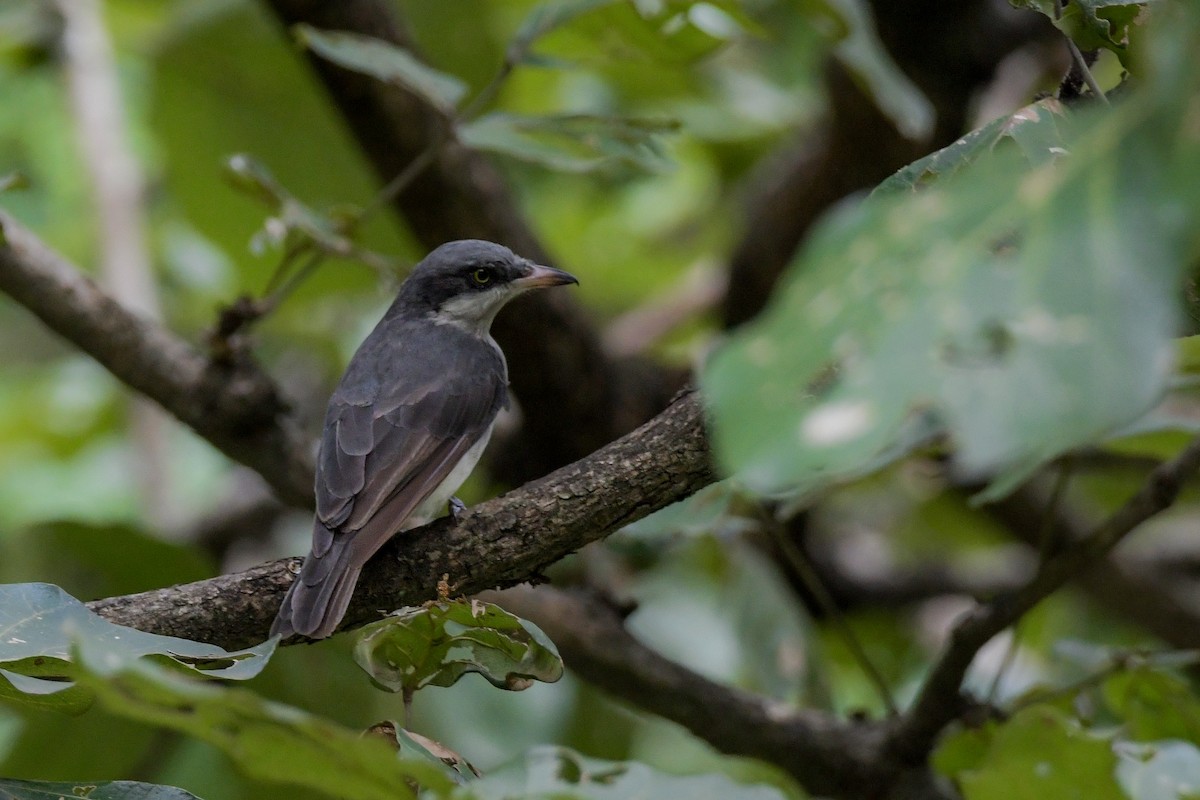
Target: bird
x,y
408,420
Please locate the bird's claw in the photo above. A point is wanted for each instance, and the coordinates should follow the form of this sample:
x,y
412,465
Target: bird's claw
x,y
456,507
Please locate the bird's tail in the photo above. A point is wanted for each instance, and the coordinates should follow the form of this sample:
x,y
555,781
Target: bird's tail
x,y
318,598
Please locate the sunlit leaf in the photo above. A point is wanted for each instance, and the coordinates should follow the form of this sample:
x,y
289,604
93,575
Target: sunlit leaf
x,y
439,643
1027,309
557,773
571,142
40,624
385,61
91,790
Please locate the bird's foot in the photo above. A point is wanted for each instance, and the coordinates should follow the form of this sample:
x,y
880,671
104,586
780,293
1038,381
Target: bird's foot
x,y
456,508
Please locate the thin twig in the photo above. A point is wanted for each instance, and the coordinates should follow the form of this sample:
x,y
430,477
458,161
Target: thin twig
x,y
1047,545
940,700
808,576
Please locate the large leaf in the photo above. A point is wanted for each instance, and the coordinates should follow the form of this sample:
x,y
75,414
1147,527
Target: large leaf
x,y
101,790
439,643
1033,129
268,741
40,624
557,773
1026,310
1039,753
385,61
571,142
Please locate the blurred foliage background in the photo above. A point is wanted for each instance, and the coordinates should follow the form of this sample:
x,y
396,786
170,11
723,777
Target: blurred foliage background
x,y
98,511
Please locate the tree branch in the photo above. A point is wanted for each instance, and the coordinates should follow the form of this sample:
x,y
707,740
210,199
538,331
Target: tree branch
x,y
234,406
940,699
829,757
498,543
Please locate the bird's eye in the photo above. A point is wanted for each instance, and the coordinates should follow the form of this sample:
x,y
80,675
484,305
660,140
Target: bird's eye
x,y
482,277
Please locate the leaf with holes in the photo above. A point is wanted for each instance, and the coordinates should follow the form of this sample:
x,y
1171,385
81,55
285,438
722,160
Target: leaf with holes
x,y
1024,309
439,643
1093,24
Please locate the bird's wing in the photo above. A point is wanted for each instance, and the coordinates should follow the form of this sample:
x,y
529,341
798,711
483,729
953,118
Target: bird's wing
x,y
409,407
395,430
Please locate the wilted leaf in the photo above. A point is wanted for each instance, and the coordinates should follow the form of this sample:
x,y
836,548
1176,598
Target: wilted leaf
x,y
385,61
1027,310
557,773
40,624
439,643
410,744
268,741
1032,128
91,790
571,142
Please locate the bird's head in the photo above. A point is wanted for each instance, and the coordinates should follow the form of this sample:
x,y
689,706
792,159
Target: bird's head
x,y
467,282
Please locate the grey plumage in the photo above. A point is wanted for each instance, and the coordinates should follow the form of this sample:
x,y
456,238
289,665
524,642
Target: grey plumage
x,y
410,415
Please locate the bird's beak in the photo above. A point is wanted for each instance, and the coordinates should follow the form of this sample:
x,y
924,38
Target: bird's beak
x,y
539,277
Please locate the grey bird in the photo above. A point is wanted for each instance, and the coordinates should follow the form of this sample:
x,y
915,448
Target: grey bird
x,y
409,419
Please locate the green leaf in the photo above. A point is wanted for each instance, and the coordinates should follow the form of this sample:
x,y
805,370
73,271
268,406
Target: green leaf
x,y
1025,309
1039,753
557,773
851,25
1160,771
295,222
1033,129
13,180
572,142
1093,24
99,790
385,61
40,624
669,31
439,643
1153,704
546,18
268,741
